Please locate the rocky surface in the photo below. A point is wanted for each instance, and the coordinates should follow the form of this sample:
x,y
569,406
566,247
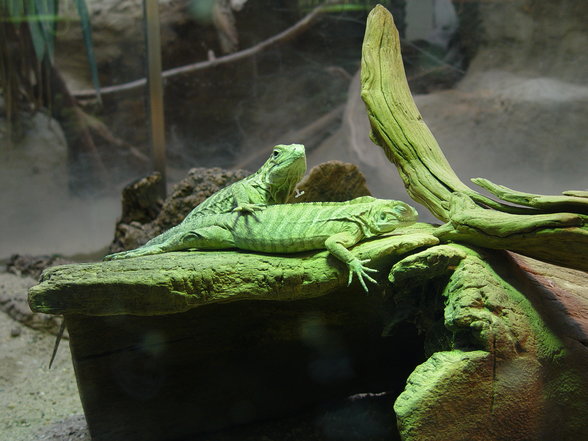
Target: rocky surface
x,y
504,332
167,283
22,273
560,298
33,397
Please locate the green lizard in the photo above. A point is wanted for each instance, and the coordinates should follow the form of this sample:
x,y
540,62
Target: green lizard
x,y
272,184
292,228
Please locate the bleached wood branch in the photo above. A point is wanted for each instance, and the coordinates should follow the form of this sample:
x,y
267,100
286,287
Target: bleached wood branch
x,y
284,36
533,229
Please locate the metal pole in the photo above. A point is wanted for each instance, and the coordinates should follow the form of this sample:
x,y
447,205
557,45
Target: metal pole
x,y
155,88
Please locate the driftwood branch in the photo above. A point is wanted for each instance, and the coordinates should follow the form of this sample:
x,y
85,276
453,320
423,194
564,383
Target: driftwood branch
x,y
567,202
397,124
535,227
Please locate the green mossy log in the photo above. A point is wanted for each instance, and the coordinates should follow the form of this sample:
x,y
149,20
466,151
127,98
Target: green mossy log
x,y
502,365
177,282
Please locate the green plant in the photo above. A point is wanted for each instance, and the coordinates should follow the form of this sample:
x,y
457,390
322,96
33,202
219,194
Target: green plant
x,y
27,40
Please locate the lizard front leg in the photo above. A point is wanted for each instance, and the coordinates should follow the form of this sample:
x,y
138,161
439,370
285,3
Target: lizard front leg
x,y
337,245
244,200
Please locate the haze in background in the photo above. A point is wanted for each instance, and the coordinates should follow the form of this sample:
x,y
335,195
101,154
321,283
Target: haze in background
x,y
518,117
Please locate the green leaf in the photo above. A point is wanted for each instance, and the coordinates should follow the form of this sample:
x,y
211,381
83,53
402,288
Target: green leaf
x,y
46,10
87,33
37,35
15,8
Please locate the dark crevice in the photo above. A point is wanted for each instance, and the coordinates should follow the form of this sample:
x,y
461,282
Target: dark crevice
x,y
365,416
424,308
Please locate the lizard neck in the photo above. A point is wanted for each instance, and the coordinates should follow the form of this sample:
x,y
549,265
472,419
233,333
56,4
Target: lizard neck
x,y
283,188
365,226
278,185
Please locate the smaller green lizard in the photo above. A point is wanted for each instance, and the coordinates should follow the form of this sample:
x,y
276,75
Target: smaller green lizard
x,y
292,228
272,184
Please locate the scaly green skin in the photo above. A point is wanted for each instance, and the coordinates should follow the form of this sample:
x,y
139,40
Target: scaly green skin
x,y
292,228
272,184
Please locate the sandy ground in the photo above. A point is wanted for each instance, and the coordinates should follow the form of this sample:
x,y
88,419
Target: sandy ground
x,y
36,403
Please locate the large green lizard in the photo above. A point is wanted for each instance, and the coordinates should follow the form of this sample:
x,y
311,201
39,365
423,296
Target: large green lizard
x,y
291,228
272,184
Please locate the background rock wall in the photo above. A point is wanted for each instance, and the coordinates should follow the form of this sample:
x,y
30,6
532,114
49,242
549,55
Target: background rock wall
x,y
516,117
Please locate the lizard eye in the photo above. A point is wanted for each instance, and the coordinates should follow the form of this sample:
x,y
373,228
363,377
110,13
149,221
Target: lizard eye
x,y
276,153
383,216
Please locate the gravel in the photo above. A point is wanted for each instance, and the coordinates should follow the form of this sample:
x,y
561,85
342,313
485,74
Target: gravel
x,y
35,403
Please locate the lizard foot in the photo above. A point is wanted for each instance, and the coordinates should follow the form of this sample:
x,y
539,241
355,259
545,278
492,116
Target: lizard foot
x,y
298,193
131,253
115,256
249,208
356,267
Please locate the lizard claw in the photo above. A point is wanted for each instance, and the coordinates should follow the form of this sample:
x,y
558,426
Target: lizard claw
x,y
356,266
298,193
118,256
115,256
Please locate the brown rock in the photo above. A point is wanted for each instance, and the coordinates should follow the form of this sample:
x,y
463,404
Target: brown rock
x,y
13,302
332,181
33,266
140,200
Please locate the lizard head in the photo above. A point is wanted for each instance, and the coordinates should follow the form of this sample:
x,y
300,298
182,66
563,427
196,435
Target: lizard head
x,y
283,169
386,215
